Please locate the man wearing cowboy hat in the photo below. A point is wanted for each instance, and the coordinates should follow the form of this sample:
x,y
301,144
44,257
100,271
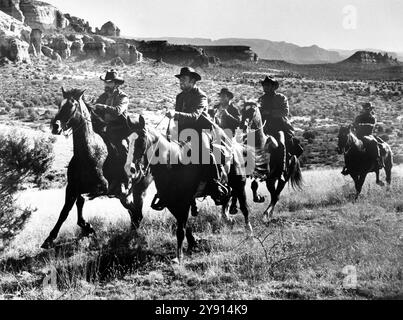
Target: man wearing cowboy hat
x,y
225,115
275,112
190,111
364,125
112,106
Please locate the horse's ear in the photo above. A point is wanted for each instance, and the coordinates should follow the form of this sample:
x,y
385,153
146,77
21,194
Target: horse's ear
x,y
81,94
142,122
63,92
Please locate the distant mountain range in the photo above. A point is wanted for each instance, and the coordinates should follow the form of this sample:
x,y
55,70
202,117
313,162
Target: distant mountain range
x,y
274,50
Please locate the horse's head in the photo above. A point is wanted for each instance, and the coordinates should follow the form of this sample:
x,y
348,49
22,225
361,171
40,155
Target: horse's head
x,y
139,134
343,139
69,111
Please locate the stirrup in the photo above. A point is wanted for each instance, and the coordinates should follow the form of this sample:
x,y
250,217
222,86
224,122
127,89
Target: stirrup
x,y
157,204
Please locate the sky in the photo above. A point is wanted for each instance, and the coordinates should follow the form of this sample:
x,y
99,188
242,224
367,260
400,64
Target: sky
x,y
330,24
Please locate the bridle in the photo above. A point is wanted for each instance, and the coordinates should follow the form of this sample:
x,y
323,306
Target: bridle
x,y
69,131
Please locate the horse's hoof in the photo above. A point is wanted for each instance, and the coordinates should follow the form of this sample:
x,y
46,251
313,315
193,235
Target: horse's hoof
x,y
259,199
48,244
380,183
233,211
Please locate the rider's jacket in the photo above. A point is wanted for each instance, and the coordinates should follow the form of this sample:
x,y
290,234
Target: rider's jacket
x,y
228,118
116,105
364,124
189,106
275,112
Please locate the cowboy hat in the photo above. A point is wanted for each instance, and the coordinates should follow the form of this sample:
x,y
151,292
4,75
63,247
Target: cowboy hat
x,y
268,81
228,93
188,71
368,106
112,76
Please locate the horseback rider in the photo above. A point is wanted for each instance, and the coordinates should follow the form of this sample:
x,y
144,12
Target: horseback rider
x,y
225,114
364,125
190,112
112,107
275,112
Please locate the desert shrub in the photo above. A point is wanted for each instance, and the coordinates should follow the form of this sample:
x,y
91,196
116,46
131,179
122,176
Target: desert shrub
x,y
33,115
309,135
18,105
21,113
22,159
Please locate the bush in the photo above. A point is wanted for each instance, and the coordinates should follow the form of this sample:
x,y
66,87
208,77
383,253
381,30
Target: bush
x,y
21,114
309,135
21,159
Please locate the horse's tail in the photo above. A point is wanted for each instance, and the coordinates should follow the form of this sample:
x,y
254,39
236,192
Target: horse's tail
x,y
296,180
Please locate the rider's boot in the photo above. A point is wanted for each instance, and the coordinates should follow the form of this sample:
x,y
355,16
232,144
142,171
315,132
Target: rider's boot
x,y
220,192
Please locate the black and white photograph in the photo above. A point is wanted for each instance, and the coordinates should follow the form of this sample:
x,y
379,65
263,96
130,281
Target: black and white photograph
x,y
205,152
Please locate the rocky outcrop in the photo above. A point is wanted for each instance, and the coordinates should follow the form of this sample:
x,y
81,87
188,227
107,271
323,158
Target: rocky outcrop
x,y
128,53
12,27
12,8
35,47
50,53
109,29
14,39
78,24
225,53
14,49
61,46
95,49
163,51
367,58
41,15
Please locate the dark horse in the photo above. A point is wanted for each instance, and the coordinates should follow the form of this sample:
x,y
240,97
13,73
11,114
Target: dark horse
x,y
268,160
89,166
358,161
179,184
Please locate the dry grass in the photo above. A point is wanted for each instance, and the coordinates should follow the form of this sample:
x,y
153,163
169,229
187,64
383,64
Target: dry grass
x,y
300,255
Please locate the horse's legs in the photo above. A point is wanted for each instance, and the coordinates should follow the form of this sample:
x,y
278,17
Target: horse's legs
x,y
70,199
190,238
378,181
85,226
275,196
256,197
135,205
243,204
181,215
388,169
359,182
193,208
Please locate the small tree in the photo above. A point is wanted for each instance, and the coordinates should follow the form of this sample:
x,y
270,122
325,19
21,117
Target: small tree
x,y
22,158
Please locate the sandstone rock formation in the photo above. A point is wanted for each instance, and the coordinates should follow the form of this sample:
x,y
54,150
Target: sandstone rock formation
x,y
36,42
78,24
229,52
109,29
366,58
95,49
128,53
50,53
43,16
12,8
61,46
14,39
